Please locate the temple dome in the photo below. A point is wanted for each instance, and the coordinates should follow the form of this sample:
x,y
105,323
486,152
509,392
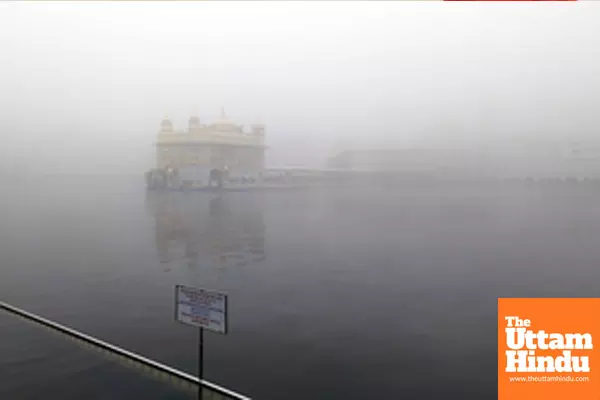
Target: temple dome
x,y
166,123
223,120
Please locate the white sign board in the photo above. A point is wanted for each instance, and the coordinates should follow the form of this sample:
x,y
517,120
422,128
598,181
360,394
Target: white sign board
x,y
201,308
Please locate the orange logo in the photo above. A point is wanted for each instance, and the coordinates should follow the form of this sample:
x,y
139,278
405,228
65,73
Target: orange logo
x,y
548,349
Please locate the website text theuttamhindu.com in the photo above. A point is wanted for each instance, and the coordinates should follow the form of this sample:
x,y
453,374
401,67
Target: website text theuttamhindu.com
x,y
542,379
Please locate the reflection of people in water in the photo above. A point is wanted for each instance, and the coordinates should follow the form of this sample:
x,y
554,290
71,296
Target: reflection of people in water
x,y
216,206
218,234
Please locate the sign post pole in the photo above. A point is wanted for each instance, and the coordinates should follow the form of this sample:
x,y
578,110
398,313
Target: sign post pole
x,y
200,363
204,309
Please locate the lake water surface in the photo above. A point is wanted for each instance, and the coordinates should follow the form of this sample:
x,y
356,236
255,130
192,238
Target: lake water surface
x,y
353,293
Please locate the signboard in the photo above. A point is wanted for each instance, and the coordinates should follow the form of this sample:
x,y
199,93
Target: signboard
x,y
201,308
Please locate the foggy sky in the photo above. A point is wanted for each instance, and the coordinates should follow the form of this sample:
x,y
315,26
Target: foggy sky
x,y
83,86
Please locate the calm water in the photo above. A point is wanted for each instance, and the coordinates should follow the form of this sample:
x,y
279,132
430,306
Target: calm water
x,y
348,294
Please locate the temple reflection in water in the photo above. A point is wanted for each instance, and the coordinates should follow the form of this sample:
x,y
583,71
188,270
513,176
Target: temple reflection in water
x,y
207,230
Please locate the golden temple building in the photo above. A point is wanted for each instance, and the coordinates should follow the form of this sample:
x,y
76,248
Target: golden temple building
x,y
221,144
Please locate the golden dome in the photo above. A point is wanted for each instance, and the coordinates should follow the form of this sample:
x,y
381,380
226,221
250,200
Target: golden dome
x,y
223,120
166,122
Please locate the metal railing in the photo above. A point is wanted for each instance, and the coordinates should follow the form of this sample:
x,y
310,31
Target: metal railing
x,y
212,391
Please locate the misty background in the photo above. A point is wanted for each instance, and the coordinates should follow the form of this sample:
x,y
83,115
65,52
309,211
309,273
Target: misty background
x,y
387,290
84,86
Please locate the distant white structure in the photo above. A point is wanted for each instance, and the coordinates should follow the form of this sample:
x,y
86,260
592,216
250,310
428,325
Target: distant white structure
x,y
516,159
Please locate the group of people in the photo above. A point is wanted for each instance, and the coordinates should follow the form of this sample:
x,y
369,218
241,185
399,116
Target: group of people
x,y
170,177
